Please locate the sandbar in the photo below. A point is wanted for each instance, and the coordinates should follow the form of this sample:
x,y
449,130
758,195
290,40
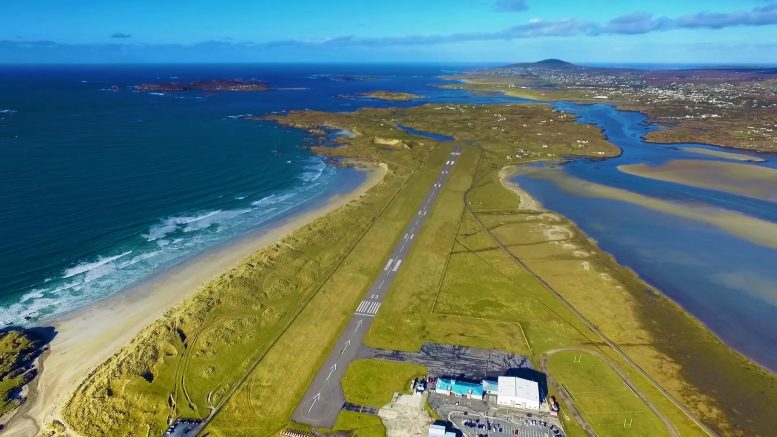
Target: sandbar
x,y
753,229
721,154
743,179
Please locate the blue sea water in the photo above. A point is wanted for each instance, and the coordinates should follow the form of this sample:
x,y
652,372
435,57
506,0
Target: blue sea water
x,y
102,186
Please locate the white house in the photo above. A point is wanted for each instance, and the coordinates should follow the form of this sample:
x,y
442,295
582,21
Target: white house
x,y
518,392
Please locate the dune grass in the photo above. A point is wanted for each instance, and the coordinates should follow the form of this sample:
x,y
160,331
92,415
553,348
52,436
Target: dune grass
x,y
18,349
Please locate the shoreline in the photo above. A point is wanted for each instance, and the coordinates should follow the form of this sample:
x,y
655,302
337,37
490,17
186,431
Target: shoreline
x,y
88,336
536,206
622,105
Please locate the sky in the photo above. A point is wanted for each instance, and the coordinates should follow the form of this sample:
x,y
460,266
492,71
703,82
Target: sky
x,y
477,31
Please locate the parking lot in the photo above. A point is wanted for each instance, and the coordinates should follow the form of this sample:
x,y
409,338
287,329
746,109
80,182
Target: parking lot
x,y
457,361
482,418
183,428
480,426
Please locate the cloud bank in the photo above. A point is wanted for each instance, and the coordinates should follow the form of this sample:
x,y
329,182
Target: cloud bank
x,y
636,23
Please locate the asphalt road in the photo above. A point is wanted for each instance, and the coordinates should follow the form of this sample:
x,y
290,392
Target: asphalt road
x,y
324,398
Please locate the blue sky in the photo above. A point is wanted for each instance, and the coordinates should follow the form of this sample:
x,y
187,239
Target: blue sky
x,y
710,31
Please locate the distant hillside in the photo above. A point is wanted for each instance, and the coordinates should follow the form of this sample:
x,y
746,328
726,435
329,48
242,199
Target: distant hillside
x,y
549,63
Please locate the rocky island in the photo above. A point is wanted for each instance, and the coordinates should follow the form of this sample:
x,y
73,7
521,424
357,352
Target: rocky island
x,y
217,85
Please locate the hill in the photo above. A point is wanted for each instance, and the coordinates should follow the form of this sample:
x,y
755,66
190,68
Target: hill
x,y
547,63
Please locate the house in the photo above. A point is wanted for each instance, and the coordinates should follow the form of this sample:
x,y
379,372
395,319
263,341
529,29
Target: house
x,y
518,393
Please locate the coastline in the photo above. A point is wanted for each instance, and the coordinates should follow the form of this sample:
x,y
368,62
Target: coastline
x,y
622,105
535,205
90,335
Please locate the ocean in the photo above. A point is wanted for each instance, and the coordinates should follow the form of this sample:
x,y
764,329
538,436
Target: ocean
x,y
103,186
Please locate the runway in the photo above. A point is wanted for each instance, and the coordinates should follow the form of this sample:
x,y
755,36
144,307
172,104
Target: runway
x,y
324,398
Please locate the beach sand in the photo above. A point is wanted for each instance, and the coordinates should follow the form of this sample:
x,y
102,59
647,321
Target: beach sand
x,y
90,335
743,179
525,200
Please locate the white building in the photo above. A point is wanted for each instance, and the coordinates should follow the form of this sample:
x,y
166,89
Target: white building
x,y
519,393
439,431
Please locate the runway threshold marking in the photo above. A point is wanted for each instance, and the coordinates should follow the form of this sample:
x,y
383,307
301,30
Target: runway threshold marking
x,y
368,308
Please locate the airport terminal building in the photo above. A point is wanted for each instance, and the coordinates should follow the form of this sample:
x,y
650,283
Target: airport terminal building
x,y
509,391
518,393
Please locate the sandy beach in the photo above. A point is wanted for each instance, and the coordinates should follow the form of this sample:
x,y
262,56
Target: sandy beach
x,y
88,336
525,200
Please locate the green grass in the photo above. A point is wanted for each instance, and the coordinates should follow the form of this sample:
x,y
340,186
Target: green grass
x,y
17,349
603,398
374,382
361,425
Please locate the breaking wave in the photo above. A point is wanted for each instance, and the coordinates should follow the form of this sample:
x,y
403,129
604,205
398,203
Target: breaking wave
x,y
164,243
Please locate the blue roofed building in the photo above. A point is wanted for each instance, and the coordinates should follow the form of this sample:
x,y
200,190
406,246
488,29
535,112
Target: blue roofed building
x,y
452,387
490,387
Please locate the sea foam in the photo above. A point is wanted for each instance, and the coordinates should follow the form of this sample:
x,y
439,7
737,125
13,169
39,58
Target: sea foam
x,y
164,243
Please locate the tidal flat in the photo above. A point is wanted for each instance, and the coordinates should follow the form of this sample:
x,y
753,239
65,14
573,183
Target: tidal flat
x,y
755,230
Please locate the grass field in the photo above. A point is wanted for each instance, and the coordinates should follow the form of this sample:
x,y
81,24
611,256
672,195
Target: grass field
x,y
361,425
471,279
373,382
609,405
